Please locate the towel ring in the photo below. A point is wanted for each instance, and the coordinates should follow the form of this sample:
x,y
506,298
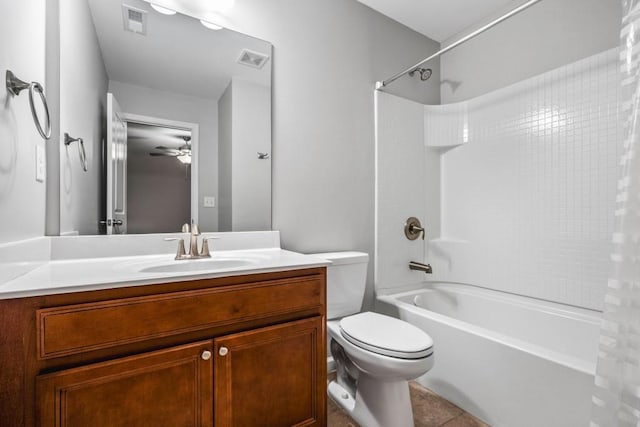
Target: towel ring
x,y
81,152
15,86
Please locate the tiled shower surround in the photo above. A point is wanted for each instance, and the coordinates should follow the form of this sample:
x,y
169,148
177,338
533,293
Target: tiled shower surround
x,y
528,179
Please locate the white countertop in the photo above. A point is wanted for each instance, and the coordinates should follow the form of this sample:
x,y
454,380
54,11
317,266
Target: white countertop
x,y
56,276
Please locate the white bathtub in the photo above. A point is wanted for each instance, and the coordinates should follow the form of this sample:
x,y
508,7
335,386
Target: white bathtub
x,y
511,361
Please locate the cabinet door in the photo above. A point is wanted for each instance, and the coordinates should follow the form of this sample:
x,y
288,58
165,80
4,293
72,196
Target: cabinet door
x,y
272,377
170,387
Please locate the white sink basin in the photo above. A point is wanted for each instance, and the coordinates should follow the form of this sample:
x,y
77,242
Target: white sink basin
x,y
209,264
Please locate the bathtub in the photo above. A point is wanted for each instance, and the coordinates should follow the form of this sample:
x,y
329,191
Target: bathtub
x,y
511,361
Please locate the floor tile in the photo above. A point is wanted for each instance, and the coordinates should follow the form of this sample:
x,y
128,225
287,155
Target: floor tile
x,y
465,420
429,409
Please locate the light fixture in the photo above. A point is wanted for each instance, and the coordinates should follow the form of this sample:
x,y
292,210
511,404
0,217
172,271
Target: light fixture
x,y
192,7
184,159
222,5
211,25
163,10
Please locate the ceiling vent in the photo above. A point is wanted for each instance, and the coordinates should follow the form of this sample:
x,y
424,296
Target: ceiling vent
x,y
134,20
252,59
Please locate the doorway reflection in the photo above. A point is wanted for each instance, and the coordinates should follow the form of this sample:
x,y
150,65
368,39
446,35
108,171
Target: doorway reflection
x,y
158,178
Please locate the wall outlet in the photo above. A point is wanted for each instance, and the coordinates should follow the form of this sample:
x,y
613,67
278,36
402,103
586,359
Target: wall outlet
x,y
209,202
40,163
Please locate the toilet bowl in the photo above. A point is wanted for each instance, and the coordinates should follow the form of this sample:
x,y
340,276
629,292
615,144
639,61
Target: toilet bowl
x,y
381,397
375,355
393,349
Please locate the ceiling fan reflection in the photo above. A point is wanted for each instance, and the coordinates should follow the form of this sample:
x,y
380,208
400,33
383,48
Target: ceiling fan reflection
x,y
183,153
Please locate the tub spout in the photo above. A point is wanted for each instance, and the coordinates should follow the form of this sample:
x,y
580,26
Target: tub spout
x,y
413,265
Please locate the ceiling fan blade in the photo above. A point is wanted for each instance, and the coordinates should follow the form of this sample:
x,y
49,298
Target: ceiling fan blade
x,y
164,154
170,151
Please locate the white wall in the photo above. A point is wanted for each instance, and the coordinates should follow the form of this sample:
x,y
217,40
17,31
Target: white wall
x,y
225,159
401,180
252,177
84,84
245,180
327,57
22,199
158,194
171,106
548,35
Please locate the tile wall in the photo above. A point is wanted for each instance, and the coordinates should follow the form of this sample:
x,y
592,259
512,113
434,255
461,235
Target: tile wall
x,y
528,182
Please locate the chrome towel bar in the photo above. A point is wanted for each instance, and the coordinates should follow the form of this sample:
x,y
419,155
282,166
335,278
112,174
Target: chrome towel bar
x,y
83,154
15,86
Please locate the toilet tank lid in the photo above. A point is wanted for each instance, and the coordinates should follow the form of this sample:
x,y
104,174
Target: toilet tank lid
x,y
350,257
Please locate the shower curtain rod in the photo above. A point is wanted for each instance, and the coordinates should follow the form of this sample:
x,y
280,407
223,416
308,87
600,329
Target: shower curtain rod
x,y
383,83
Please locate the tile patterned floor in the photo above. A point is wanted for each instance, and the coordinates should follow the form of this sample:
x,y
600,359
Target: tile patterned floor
x,y
429,410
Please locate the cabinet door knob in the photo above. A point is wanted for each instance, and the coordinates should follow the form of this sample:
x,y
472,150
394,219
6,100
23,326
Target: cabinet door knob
x,y
206,355
223,351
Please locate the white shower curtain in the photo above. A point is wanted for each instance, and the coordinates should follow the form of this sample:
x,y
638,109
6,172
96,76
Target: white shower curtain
x,y
616,397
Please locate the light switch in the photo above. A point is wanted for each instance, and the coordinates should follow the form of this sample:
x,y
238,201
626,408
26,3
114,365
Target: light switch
x,y
209,202
40,163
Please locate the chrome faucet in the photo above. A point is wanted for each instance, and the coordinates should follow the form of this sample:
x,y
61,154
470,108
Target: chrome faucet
x,y
413,265
194,232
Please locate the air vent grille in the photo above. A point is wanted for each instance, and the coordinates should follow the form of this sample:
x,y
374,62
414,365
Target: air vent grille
x,y
134,20
252,59
135,16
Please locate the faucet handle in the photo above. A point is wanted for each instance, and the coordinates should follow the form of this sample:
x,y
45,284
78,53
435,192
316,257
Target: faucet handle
x,y
181,253
205,246
186,228
413,228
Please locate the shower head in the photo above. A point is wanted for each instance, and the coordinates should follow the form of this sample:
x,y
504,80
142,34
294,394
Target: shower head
x,y
425,73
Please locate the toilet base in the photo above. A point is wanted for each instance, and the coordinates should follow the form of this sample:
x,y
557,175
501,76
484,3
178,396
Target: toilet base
x,y
377,403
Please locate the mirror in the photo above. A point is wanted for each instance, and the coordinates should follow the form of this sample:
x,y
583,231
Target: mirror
x,y
175,115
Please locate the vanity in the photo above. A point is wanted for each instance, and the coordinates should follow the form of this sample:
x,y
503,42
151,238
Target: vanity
x,y
146,340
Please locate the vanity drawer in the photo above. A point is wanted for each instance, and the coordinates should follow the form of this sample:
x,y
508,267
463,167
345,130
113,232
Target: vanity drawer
x,y
79,328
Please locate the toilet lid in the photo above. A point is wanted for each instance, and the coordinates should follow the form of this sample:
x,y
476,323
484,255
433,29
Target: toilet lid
x,y
386,335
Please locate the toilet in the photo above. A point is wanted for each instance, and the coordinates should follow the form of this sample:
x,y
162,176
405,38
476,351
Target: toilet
x,y
375,355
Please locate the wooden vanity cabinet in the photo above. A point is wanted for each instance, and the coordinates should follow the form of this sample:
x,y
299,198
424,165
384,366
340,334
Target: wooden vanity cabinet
x,y
270,376
233,351
171,387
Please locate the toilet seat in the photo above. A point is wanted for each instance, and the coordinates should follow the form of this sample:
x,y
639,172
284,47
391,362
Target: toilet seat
x,y
386,336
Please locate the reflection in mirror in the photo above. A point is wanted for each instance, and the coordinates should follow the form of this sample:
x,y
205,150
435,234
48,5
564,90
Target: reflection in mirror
x,y
158,178
150,93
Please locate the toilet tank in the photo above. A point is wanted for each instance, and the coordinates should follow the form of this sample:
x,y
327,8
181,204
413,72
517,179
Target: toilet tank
x,y
346,282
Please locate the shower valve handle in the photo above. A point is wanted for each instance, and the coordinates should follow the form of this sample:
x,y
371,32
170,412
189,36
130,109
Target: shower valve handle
x,y
413,229
416,229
